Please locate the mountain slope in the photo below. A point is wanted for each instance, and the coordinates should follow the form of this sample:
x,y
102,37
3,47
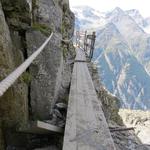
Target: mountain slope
x,y
129,23
121,72
135,14
138,40
122,52
141,21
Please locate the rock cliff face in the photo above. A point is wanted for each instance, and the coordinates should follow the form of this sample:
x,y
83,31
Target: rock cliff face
x,y
124,140
138,119
48,70
13,104
24,25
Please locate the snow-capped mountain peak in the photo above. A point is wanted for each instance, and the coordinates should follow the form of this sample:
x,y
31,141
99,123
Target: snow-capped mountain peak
x,y
122,52
117,10
135,14
87,17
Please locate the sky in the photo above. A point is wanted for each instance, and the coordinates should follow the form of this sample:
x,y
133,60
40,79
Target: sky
x,y
107,5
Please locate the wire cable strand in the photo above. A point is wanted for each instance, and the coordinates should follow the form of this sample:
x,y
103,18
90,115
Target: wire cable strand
x,y
12,77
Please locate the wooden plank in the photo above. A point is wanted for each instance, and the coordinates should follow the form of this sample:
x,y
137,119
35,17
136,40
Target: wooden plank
x,y
39,127
86,127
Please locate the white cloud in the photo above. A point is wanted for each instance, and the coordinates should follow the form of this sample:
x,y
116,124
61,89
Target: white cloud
x,y
106,5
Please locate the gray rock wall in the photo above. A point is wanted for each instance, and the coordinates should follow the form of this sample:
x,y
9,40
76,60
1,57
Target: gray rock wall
x,y
1,138
13,104
50,71
45,70
24,26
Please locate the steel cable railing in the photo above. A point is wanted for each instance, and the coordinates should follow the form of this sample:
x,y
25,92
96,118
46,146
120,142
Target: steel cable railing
x,y
12,77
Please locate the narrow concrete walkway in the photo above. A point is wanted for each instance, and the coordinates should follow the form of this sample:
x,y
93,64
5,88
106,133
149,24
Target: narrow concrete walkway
x,y
86,127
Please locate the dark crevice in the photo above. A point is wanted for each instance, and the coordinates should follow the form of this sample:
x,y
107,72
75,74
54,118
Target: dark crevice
x,y
29,102
22,35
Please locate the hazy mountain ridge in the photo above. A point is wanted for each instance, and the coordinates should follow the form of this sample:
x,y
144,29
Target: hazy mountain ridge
x,y
99,19
122,54
135,36
120,71
86,14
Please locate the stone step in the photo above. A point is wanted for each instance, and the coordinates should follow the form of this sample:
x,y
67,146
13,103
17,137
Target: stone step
x,y
40,127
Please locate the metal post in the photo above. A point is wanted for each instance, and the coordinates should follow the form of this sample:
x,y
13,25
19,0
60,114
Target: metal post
x,y
79,39
92,45
85,41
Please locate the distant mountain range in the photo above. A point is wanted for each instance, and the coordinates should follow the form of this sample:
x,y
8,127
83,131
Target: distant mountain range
x,y
122,52
88,18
